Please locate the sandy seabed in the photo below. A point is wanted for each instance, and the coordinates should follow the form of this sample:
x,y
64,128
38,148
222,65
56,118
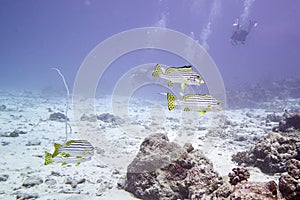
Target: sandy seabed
x,y
27,132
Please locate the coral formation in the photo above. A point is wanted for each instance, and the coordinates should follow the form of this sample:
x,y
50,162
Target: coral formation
x,y
289,123
58,116
289,182
274,118
258,95
238,175
2,107
164,170
255,190
110,118
89,118
271,152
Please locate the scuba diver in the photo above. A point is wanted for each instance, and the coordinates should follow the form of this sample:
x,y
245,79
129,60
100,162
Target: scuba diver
x,y
241,32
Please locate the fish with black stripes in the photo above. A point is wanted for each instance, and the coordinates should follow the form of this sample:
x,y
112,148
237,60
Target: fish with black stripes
x,y
197,102
183,75
73,151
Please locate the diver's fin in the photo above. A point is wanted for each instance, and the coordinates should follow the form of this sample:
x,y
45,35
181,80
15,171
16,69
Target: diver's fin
x,y
48,158
170,83
171,101
157,71
236,22
202,112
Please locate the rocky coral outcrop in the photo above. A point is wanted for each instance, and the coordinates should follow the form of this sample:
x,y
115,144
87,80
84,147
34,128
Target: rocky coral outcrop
x,y
238,175
240,189
3,177
289,123
89,118
258,95
255,190
274,118
164,170
289,182
271,152
58,116
32,181
2,107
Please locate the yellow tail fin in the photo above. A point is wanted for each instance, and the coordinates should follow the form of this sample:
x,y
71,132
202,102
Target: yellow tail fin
x,y
48,158
56,149
171,101
157,71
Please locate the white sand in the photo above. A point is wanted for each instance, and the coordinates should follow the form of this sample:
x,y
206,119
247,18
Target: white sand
x,y
115,146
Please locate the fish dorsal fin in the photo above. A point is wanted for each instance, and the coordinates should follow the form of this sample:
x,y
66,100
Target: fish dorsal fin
x,y
68,143
157,71
179,69
185,97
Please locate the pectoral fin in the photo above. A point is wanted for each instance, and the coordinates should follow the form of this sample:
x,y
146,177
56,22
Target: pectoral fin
x,y
202,112
183,86
186,109
170,83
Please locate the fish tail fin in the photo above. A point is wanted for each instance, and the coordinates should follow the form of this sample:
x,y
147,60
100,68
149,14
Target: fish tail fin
x,y
56,149
48,158
157,71
171,101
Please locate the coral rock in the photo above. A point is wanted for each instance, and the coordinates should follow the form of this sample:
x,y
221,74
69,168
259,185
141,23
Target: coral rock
x,y
57,117
32,181
289,182
110,118
238,175
290,122
3,177
164,170
2,107
271,153
89,118
255,190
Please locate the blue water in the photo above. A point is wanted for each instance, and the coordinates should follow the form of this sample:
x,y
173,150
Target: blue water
x,y
38,35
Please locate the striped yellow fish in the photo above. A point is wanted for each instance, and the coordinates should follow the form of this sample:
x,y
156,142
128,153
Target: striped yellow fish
x,y
196,102
73,151
184,75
